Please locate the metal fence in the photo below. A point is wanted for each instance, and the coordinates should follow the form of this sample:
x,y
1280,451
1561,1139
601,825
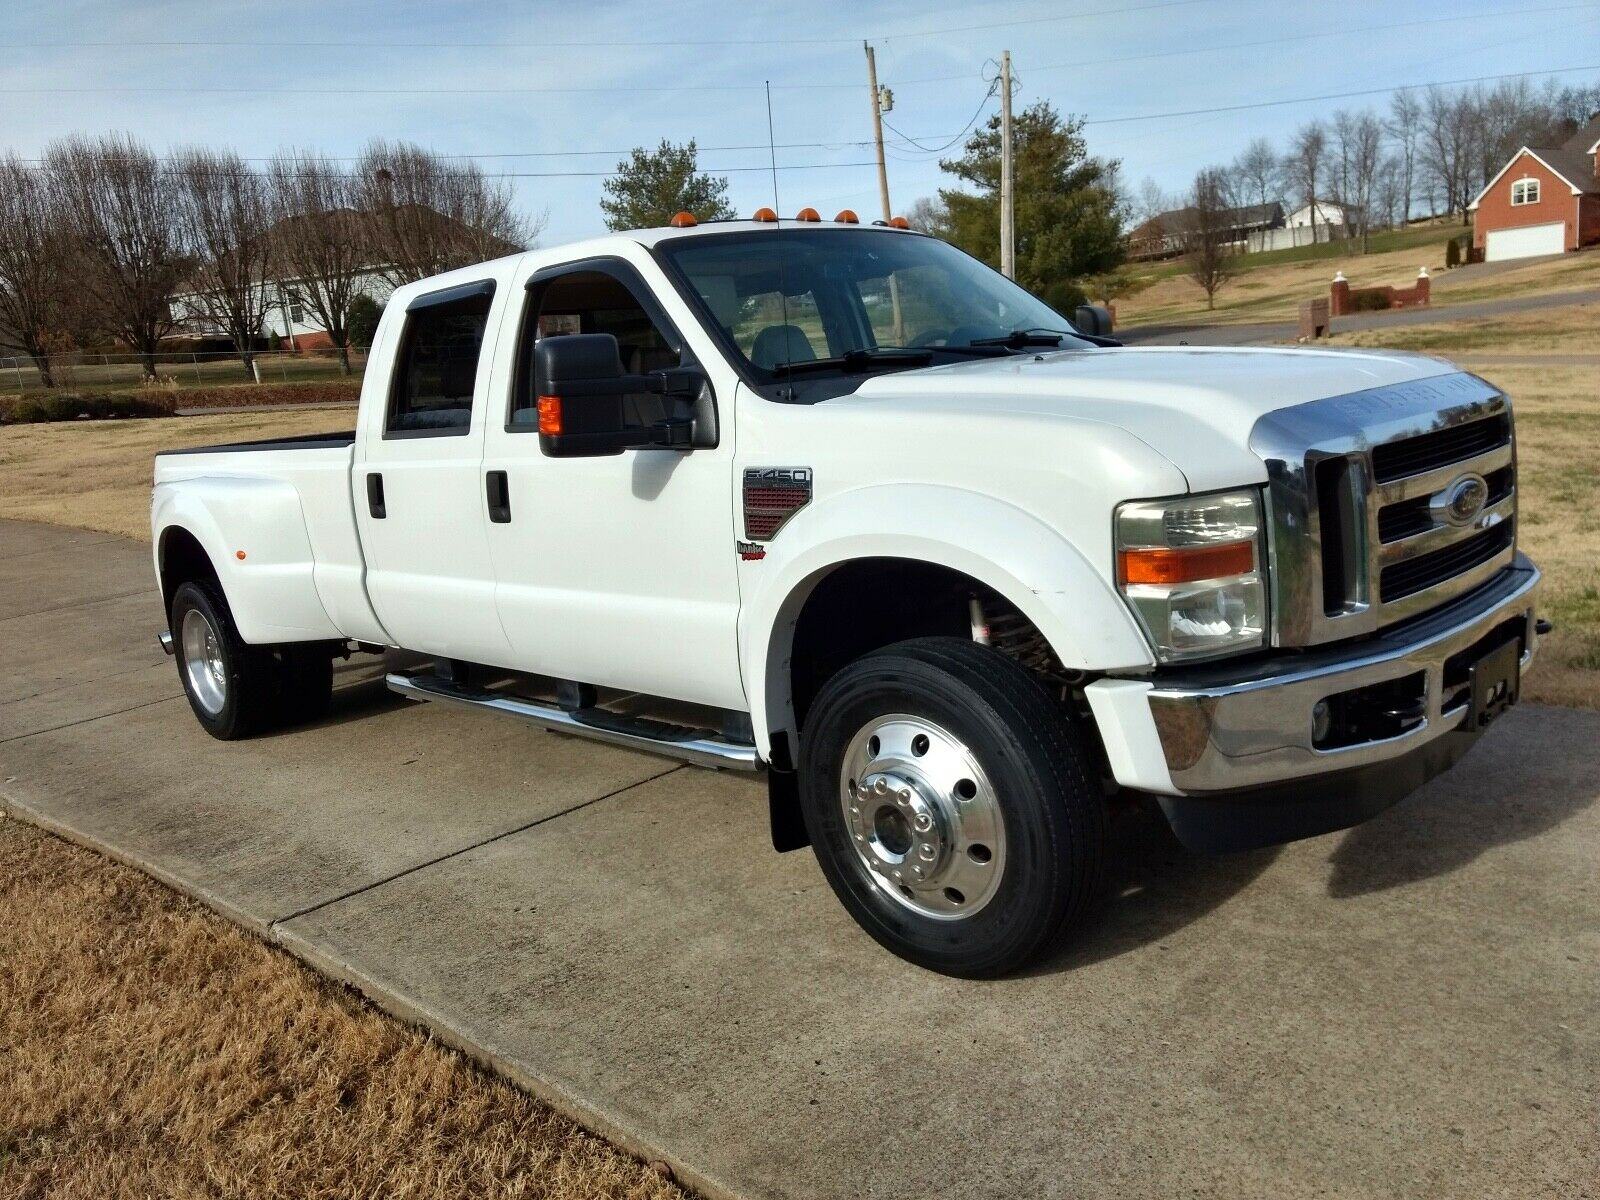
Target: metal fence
x,y
80,372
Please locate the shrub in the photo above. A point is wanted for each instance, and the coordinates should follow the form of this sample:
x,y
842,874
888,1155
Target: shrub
x,y
1375,299
362,322
1452,253
32,410
322,391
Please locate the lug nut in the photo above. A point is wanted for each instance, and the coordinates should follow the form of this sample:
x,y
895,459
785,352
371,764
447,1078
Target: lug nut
x,y
916,872
924,822
881,786
926,851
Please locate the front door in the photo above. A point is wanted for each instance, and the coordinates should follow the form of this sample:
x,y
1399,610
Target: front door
x,y
617,570
418,487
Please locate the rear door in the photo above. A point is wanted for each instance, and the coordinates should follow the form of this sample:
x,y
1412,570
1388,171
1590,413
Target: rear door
x,y
418,486
617,570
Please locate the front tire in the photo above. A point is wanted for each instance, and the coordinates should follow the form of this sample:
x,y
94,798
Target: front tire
x,y
951,806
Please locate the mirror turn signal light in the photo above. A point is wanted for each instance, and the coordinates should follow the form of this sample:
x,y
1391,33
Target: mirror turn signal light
x,y
683,220
807,214
847,217
764,214
550,414
899,223
1186,565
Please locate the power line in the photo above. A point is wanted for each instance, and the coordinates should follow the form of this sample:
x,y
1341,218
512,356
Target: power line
x,y
38,165
1404,87
982,104
313,43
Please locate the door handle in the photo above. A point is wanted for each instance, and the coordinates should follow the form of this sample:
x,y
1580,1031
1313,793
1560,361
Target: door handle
x,y
375,496
499,491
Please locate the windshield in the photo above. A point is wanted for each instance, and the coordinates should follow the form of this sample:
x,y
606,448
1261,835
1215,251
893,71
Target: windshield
x,y
815,300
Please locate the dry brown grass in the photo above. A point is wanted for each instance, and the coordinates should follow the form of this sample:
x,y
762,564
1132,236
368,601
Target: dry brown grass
x,y
1558,429
1273,293
1574,330
108,463
152,1049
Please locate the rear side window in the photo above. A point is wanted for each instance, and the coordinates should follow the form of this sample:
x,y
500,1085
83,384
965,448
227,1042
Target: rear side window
x,y
437,367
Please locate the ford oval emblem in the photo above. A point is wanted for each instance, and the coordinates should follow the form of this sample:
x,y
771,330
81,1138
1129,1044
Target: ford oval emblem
x,y
1461,502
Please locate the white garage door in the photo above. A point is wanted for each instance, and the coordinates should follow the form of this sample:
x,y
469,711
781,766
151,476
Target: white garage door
x,y
1525,242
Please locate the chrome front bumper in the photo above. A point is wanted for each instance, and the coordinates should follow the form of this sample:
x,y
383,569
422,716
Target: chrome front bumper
x,y
1226,734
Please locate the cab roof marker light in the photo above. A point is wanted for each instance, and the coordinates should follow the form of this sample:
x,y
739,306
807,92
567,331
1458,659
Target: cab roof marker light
x,y
764,214
684,220
807,214
847,217
899,223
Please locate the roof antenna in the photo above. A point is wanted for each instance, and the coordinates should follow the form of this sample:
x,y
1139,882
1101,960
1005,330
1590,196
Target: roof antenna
x,y
777,210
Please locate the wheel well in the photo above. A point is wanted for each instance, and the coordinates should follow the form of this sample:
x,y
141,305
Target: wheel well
x,y
864,605
183,560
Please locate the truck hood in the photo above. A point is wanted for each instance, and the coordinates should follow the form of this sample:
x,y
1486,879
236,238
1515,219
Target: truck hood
x,y
1193,405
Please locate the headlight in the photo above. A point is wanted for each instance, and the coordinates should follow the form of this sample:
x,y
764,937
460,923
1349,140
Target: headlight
x,y
1190,568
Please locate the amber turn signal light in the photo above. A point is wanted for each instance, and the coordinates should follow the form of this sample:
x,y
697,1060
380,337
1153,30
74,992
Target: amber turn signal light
x,y
549,414
764,214
683,220
1188,564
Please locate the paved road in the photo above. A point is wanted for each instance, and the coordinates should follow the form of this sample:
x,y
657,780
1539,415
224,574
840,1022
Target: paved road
x,y
1286,331
1406,1009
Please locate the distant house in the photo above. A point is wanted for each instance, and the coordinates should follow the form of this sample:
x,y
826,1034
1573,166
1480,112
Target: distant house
x,y
1319,212
1545,200
1163,235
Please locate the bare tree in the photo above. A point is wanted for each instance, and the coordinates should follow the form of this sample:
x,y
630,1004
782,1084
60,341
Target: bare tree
x,y
929,215
1446,146
117,209
430,215
31,262
1404,127
1388,190
1210,226
1304,168
1259,171
1151,201
1359,138
319,241
226,211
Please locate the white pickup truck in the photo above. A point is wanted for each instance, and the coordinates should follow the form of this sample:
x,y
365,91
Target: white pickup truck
x,y
841,503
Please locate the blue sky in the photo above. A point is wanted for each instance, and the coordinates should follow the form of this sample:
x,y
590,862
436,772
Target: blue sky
x,y
614,91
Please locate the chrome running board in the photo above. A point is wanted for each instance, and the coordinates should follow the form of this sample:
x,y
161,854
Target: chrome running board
x,y
700,747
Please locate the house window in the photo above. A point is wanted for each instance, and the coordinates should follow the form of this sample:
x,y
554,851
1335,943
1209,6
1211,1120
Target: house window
x,y
1525,191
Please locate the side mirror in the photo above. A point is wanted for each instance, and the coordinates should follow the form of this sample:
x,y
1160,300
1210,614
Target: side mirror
x,y
1093,320
581,386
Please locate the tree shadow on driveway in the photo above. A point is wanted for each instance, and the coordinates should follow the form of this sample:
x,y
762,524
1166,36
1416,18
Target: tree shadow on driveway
x,y
1537,769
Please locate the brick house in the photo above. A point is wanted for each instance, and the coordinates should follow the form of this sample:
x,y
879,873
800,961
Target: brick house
x,y
1544,201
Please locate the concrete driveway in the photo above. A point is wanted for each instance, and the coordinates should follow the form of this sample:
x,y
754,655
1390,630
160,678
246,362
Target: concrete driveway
x,y
1406,1009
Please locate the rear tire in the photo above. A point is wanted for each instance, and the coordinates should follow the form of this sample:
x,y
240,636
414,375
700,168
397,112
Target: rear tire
x,y
235,689
951,806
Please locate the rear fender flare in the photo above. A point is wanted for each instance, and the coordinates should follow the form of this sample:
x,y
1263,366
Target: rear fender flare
x,y
265,565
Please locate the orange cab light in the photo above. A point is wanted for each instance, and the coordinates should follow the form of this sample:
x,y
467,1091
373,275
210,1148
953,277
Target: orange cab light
x,y
1188,564
764,214
549,414
899,223
683,220
847,217
239,554
807,214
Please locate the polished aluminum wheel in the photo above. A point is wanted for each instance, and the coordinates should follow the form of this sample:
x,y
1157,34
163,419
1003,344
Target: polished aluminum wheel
x,y
922,816
201,648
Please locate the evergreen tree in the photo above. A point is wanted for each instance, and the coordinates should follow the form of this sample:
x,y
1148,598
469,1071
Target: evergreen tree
x,y
1067,222
651,186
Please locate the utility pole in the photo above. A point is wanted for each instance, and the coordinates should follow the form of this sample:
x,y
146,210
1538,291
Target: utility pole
x,y
883,182
877,127
1008,220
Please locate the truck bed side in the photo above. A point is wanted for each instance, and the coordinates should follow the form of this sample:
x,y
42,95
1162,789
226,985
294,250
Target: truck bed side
x,y
276,520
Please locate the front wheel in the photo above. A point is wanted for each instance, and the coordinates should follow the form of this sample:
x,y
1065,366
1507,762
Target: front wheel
x,y
951,806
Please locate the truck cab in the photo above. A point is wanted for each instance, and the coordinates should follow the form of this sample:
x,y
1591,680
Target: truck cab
x,y
842,504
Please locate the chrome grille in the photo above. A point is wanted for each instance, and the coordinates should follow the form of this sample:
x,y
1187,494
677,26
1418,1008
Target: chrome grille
x,y
1361,534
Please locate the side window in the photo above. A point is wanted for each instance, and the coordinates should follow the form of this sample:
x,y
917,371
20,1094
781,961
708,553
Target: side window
x,y
597,302
437,367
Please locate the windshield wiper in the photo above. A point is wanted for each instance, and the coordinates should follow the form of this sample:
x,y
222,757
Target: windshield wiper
x,y
858,361
1018,338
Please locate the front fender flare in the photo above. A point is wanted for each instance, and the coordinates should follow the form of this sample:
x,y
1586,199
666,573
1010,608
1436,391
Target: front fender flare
x,y
1003,547
265,564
